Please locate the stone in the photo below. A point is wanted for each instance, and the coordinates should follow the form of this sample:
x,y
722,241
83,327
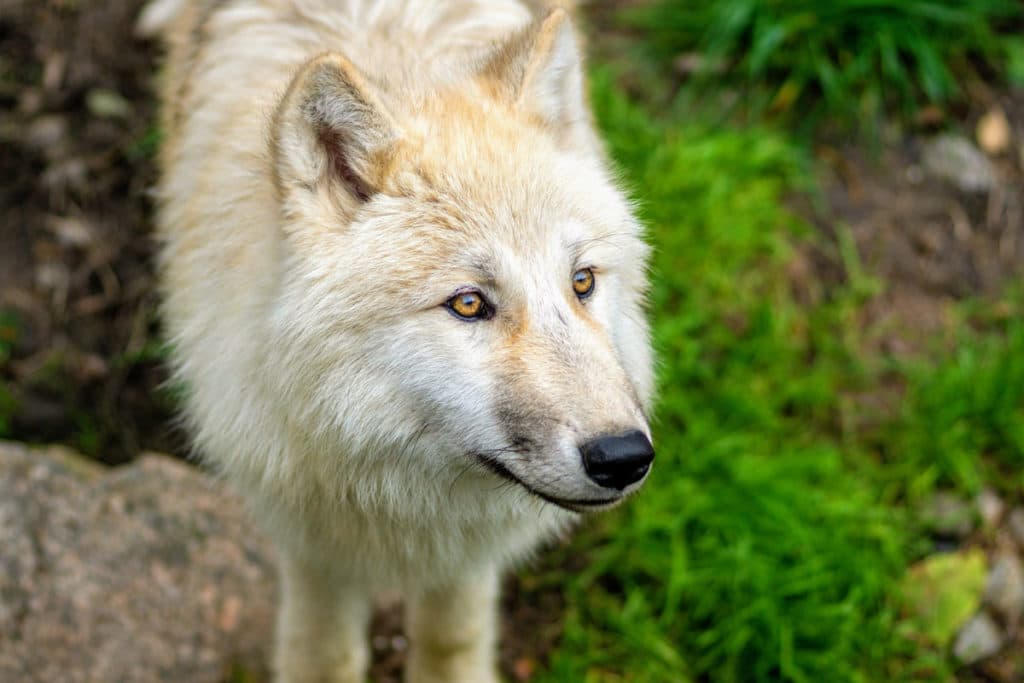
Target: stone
x,y
1015,523
47,132
990,507
107,104
146,573
956,160
1004,587
993,131
978,639
948,515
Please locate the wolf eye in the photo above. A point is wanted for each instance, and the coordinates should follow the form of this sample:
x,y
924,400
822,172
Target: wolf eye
x,y
469,306
583,282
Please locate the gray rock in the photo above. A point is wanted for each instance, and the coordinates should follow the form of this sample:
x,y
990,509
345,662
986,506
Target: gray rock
x,y
978,639
956,160
47,131
107,104
147,573
1004,587
990,507
1015,522
949,515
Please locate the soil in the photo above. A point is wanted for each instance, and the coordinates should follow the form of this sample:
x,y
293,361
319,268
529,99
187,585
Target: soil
x,y
76,271
930,243
77,299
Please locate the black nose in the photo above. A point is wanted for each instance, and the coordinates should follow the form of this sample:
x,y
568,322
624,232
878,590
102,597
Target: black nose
x,y
615,462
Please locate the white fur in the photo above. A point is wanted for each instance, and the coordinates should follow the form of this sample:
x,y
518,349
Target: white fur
x,y
324,377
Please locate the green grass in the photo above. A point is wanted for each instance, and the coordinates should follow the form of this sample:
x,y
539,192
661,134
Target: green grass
x,y
849,59
771,541
963,422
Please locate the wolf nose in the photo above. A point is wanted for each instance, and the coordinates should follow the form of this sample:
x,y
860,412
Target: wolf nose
x,y
615,462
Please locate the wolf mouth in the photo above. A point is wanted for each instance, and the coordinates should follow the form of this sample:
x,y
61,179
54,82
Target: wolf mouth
x,y
585,505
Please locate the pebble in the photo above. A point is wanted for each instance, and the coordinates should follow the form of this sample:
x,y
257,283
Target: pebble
x,y
949,515
978,639
993,131
990,507
47,131
1004,588
107,104
956,160
1015,522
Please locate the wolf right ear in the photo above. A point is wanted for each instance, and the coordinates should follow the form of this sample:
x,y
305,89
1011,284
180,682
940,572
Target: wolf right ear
x,y
541,71
330,128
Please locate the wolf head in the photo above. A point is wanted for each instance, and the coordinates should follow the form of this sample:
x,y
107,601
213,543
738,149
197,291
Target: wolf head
x,y
463,282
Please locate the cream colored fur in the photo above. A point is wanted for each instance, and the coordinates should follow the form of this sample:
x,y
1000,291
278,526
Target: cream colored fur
x,y
333,172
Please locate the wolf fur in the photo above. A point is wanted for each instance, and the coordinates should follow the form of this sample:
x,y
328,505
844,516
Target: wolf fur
x,y
333,171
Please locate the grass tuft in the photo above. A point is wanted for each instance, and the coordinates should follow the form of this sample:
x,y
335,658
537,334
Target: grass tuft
x,y
963,422
850,59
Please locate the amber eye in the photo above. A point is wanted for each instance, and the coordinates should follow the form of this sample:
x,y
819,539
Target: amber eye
x,y
583,282
469,306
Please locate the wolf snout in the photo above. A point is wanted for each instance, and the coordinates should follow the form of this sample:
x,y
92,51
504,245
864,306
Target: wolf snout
x,y
617,461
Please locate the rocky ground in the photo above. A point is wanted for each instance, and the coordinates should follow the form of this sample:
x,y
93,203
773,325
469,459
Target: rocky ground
x,y
979,587
145,573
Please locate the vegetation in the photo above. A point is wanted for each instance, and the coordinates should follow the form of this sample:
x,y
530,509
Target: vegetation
x,y
849,59
968,406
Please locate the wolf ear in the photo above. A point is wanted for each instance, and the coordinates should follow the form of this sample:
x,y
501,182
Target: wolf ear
x,y
330,127
543,70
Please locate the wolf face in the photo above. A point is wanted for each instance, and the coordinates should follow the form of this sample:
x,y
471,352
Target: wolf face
x,y
468,278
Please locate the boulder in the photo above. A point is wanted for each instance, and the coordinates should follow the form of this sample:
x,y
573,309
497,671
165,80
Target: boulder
x,y
146,573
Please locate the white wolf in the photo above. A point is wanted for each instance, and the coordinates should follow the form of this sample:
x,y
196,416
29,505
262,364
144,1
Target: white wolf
x,y
406,298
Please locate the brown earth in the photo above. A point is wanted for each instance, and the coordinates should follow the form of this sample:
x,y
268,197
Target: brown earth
x,y
76,274
926,242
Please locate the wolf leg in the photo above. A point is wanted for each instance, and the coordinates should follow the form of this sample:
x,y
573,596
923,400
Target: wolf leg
x,y
322,625
454,632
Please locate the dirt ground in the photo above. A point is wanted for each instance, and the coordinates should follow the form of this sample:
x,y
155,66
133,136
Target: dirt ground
x,y
931,243
76,273
77,298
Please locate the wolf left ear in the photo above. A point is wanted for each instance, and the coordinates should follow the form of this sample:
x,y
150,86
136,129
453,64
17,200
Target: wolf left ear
x,y
330,127
543,70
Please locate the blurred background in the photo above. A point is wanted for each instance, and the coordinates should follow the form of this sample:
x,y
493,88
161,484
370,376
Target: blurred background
x,y
835,194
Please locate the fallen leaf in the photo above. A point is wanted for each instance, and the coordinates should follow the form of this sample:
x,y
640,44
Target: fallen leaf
x,y
941,593
993,131
523,668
